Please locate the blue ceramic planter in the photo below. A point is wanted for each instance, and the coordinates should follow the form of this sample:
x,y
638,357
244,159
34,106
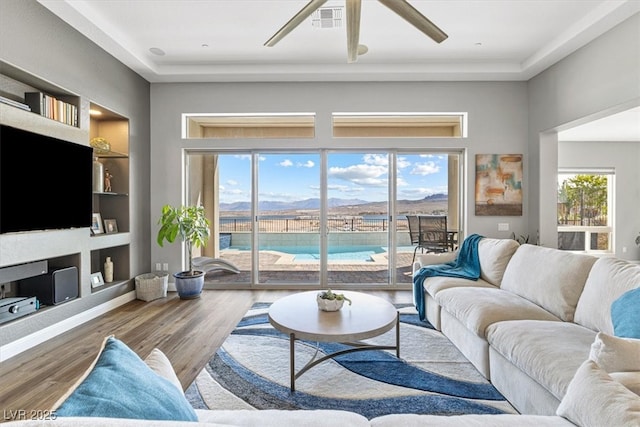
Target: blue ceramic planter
x,y
189,287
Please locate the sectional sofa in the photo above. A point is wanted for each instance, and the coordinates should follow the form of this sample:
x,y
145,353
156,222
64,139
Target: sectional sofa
x,y
530,320
538,323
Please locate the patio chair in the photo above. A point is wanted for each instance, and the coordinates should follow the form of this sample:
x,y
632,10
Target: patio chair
x,y
429,233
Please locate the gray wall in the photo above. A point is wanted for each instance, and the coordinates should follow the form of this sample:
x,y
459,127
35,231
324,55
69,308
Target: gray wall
x,y
599,79
34,39
497,124
625,158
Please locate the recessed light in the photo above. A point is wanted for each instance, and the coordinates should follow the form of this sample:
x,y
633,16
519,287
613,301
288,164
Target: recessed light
x,y
478,43
205,45
157,51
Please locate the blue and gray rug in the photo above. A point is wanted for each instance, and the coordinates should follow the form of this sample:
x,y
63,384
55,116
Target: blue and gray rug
x,y
251,371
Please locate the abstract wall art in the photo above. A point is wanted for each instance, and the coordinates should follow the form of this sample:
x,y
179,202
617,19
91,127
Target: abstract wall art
x,y
499,184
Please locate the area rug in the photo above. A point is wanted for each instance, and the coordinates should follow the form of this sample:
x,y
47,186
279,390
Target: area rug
x,y
251,371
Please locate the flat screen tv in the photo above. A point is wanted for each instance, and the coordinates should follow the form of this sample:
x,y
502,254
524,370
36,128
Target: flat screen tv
x,y
45,182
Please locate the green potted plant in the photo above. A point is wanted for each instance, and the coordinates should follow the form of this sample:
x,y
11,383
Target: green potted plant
x,y
191,224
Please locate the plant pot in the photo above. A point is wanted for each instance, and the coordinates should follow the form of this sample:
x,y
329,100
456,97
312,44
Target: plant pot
x,y
329,304
189,286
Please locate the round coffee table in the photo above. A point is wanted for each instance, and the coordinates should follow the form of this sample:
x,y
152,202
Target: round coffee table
x,y
368,316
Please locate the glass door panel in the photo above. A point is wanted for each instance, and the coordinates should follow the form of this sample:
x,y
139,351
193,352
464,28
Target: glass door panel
x,y
423,188
222,184
357,218
288,218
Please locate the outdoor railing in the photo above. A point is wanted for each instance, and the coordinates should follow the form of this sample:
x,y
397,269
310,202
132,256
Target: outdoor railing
x,y
301,225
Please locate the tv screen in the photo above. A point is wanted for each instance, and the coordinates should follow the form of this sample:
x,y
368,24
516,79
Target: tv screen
x,y
45,182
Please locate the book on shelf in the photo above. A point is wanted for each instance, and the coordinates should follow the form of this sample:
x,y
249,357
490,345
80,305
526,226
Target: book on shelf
x,y
52,108
14,103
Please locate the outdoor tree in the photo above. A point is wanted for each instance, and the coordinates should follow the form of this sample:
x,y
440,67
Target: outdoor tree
x,y
585,199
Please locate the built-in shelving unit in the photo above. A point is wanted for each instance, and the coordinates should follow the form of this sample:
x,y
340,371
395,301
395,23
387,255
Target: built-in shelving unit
x,y
112,205
73,247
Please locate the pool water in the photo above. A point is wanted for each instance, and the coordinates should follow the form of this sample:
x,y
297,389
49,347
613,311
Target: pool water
x,y
336,253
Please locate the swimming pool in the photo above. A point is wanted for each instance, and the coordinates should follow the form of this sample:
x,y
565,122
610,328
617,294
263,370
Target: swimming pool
x,y
336,253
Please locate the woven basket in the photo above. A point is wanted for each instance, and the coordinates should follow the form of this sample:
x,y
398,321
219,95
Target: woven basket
x,y
151,286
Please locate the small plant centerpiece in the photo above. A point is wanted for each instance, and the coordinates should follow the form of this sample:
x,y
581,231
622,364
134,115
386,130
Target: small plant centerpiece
x,y
192,225
330,301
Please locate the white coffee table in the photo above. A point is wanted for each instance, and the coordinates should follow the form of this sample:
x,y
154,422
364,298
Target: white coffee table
x,y
298,316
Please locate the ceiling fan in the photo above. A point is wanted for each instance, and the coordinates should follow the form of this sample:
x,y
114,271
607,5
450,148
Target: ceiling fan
x,y
401,7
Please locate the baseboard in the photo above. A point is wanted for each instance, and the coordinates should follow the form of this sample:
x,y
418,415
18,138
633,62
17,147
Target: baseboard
x,y
25,343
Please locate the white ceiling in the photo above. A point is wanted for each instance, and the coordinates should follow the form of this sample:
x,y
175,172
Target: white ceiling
x,y
220,40
223,41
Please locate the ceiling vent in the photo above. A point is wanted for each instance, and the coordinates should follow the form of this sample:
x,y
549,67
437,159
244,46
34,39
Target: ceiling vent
x,y
327,17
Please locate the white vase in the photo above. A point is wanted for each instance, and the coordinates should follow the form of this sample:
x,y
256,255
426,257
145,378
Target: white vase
x,y
98,176
108,270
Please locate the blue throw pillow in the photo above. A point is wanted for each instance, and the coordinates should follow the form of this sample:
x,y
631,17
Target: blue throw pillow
x,y
625,314
121,385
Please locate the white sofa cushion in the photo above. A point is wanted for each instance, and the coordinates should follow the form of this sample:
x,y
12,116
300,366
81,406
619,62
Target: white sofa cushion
x,y
608,279
160,364
551,278
615,354
594,399
549,352
435,284
503,420
630,380
280,418
477,308
494,255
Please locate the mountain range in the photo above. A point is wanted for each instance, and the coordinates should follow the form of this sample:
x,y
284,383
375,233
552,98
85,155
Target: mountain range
x,y
314,204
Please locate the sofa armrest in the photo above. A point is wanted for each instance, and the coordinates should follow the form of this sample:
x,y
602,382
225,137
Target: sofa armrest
x,y
433,259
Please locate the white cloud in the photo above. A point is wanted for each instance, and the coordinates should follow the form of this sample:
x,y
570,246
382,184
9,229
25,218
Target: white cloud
x,y
307,164
368,175
232,182
402,163
286,163
423,169
376,159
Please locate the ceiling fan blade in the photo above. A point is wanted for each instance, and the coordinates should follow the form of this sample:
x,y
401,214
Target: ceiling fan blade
x,y
415,18
353,29
295,21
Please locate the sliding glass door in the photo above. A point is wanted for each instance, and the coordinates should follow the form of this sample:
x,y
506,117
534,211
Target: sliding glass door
x,y
323,218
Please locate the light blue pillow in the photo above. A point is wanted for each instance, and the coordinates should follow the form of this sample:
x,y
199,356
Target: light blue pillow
x,y
121,385
625,314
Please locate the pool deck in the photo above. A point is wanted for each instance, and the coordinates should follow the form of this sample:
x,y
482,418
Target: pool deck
x,y
281,268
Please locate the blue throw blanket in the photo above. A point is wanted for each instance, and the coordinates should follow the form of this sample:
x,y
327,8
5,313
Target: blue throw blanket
x,y
466,266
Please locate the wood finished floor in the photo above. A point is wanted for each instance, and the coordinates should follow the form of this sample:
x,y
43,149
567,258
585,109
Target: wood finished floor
x,y
188,332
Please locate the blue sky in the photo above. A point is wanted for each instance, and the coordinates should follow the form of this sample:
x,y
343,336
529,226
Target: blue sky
x,y
289,177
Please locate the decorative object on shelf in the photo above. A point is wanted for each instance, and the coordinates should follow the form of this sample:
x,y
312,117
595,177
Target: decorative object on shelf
x,y
96,279
96,223
100,145
192,225
98,176
108,270
330,301
107,181
110,226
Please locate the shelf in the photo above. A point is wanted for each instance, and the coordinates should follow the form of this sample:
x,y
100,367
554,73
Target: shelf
x,y
109,193
46,100
111,155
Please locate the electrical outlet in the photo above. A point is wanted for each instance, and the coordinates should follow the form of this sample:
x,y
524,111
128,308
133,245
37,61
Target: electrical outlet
x,y
165,266
503,226
158,266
